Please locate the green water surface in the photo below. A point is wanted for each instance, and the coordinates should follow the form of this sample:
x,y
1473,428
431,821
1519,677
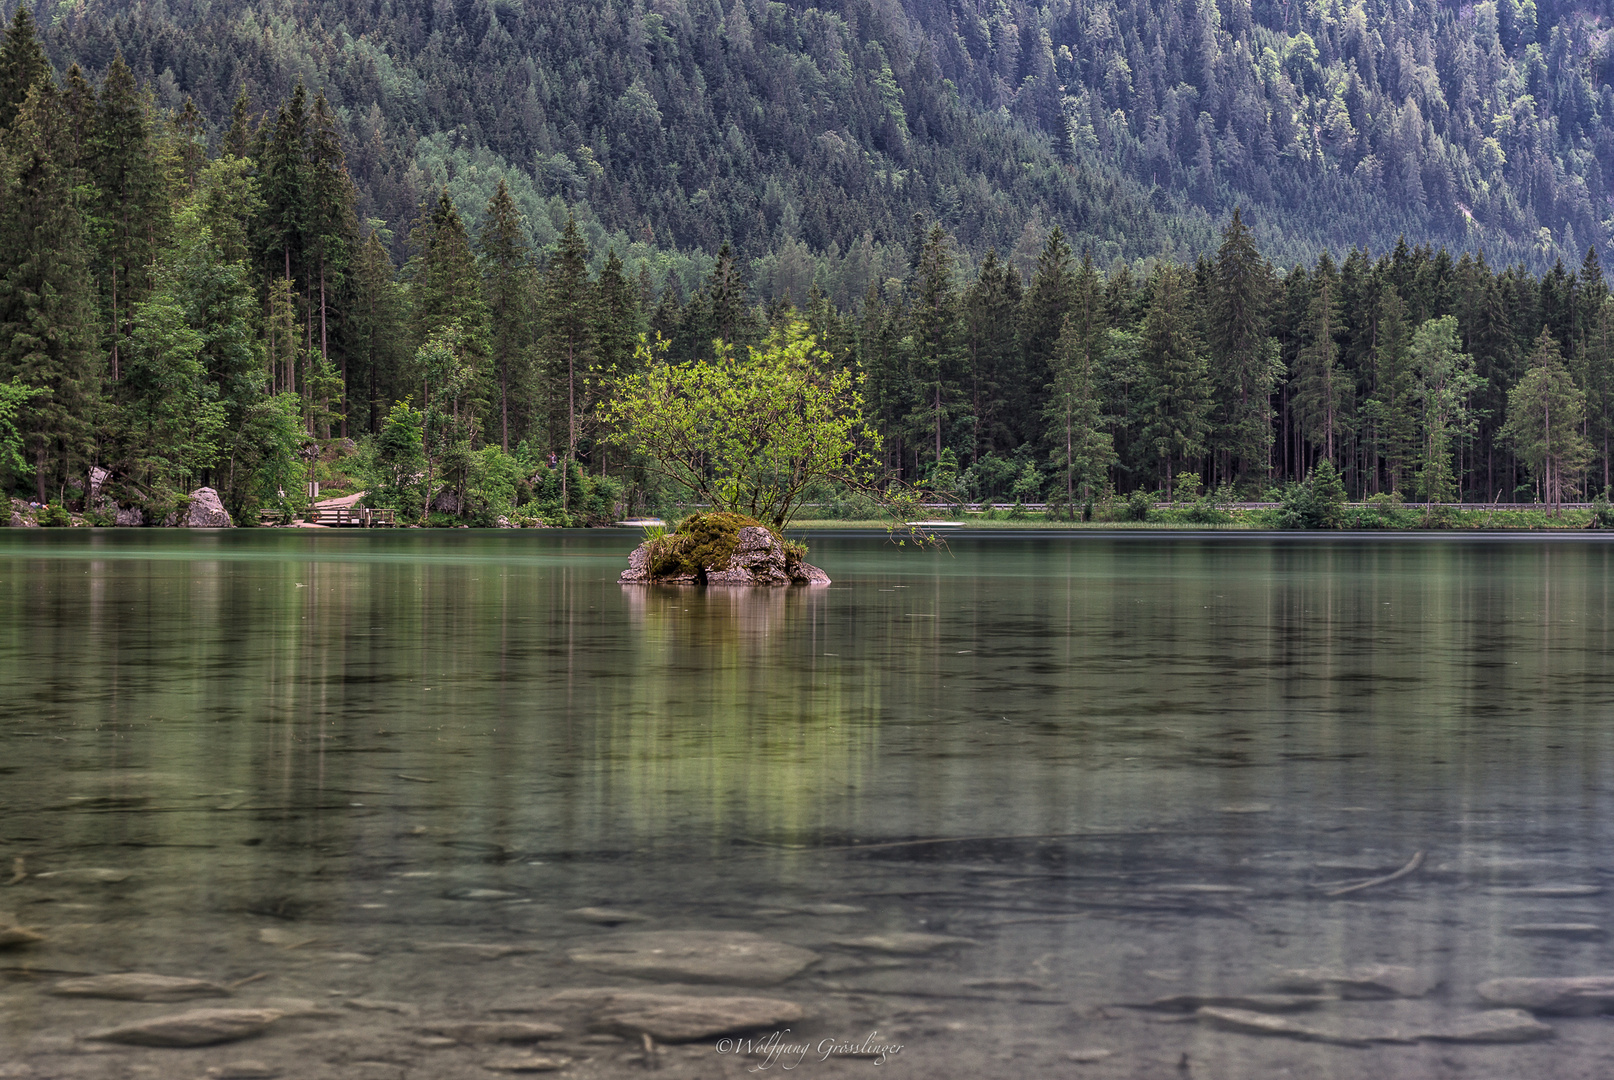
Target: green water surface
x,y
1127,767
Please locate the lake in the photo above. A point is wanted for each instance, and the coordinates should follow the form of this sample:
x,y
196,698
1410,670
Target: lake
x,y
1019,806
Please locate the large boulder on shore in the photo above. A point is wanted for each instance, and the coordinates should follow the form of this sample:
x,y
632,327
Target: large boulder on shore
x,y
719,549
206,511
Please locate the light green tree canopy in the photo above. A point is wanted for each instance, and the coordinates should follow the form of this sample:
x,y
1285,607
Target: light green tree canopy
x,y
749,434
1545,411
1445,377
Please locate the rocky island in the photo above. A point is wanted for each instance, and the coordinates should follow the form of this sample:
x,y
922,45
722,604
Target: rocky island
x,y
721,549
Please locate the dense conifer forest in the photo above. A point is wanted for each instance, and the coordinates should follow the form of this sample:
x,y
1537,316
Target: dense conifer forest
x,y
1071,248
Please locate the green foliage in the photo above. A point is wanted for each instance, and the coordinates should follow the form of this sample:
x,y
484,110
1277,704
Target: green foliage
x,y
54,516
748,434
1139,505
491,486
13,396
1319,503
1602,512
566,496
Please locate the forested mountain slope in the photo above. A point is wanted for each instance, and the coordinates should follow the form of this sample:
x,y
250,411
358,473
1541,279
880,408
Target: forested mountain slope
x,y
779,128
799,131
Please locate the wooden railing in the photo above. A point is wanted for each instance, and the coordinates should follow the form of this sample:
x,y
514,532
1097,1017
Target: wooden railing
x,y
365,517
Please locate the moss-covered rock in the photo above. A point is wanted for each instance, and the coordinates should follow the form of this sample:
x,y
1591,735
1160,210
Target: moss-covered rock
x,y
721,549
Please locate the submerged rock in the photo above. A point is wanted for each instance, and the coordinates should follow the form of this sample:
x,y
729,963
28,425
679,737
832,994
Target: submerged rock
x,y
604,916
1369,981
1492,1026
90,875
1583,995
493,1031
719,549
12,935
199,1027
675,1018
905,943
528,1063
138,986
473,949
1265,1003
245,1069
719,956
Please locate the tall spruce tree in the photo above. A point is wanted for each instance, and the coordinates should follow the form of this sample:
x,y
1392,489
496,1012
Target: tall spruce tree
x,y
132,208
47,293
1322,387
991,308
332,226
937,335
1179,391
1082,449
1243,354
1042,319
568,334
509,285
23,65
281,155
447,296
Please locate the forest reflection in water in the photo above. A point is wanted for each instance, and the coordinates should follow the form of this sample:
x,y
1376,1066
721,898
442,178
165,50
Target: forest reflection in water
x,y
435,770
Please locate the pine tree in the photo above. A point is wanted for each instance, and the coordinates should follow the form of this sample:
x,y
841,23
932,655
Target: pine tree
x,y
508,281
1598,355
1042,318
47,310
937,339
1322,390
447,289
569,330
237,140
1179,392
378,322
726,299
1243,354
1390,411
332,226
1083,450
991,307
283,181
132,209
23,65
1544,416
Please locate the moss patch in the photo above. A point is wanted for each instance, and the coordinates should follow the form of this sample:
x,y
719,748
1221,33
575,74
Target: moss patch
x,y
700,541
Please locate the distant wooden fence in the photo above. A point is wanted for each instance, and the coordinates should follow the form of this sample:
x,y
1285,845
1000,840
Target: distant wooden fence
x,y
363,517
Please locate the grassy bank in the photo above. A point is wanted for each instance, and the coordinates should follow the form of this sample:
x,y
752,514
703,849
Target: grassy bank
x,y
1233,518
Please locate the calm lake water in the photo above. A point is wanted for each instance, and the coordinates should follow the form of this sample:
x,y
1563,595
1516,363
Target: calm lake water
x,y
368,780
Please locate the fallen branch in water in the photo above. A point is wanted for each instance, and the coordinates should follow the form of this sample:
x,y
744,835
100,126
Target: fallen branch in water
x,y
1412,864
18,873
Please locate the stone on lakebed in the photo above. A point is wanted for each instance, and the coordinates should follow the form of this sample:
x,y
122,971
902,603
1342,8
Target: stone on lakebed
x,y
199,1027
709,956
138,986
